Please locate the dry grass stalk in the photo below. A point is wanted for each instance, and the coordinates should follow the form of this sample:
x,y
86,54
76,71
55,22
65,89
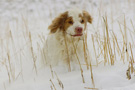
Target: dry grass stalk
x,y
44,55
91,88
123,49
78,61
12,72
51,71
99,45
132,37
18,75
133,26
125,35
69,69
92,75
59,81
51,87
100,62
32,52
21,66
84,49
118,48
107,45
114,48
12,40
85,54
128,73
53,84
131,52
105,51
9,78
91,70
43,52
25,24
131,65
94,49
42,38
130,69
123,54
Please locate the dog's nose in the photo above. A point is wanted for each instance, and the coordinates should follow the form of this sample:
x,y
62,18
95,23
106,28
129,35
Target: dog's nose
x,y
78,30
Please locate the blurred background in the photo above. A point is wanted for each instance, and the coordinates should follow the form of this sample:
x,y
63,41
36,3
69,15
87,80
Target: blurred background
x,y
10,9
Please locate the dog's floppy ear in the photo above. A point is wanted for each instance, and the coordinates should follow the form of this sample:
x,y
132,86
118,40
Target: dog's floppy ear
x,y
58,22
87,16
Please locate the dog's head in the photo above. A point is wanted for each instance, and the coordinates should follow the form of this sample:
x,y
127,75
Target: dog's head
x,y
72,22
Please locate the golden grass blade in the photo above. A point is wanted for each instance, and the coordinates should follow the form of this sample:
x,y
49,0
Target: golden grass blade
x,y
51,71
53,84
92,75
131,52
91,88
85,54
133,26
78,62
59,81
69,68
94,49
32,52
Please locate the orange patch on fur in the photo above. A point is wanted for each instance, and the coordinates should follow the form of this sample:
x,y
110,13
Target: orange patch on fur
x,y
58,22
83,21
69,21
87,16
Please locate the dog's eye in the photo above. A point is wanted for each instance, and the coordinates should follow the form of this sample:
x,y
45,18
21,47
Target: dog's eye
x,y
70,22
82,21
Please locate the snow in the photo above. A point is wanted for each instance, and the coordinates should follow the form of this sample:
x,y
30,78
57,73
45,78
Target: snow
x,y
21,16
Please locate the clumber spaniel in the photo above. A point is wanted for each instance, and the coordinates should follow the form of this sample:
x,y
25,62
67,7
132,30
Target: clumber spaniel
x,y
66,37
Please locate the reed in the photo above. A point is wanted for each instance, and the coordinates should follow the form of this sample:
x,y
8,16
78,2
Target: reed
x,y
91,88
126,38
8,72
69,66
51,71
12,72
94,49
59,81
92,75
53,84
107,45
78,62
85,47
131,65
117,44
32,52
100,44
132,25
131,53
123,49
114,48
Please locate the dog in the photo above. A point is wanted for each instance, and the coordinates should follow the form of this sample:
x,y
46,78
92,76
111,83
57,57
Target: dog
x,y
64,43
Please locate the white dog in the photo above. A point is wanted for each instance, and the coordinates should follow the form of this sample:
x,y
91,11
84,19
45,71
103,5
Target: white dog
x,y
66,37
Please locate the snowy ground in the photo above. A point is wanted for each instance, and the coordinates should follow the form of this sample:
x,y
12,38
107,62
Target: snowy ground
x,y
23,24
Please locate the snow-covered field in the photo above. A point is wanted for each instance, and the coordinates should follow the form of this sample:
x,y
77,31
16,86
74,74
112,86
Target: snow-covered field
x,y
23,31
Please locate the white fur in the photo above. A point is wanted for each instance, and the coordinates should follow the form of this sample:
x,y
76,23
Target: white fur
x,y
75,14
55,48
